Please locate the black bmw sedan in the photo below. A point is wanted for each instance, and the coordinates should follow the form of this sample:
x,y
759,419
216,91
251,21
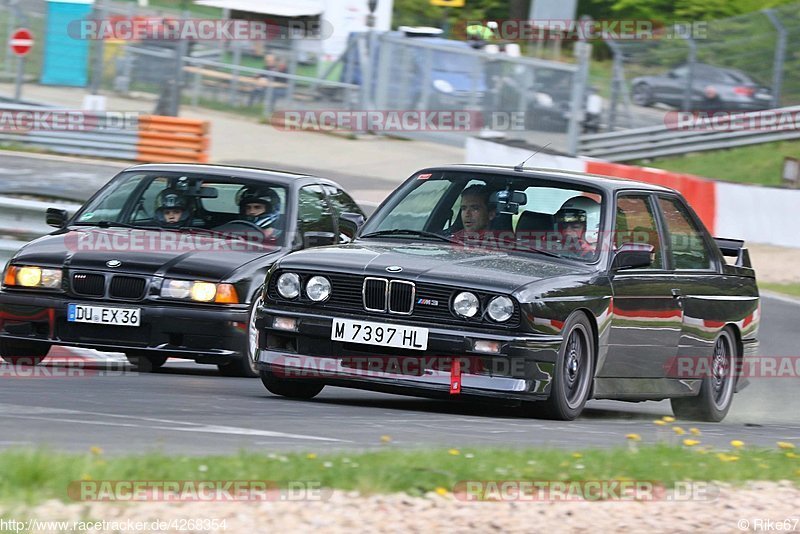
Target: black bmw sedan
x,y
166,261
541,287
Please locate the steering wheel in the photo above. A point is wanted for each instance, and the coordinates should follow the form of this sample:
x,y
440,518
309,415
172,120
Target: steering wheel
x,y
238,225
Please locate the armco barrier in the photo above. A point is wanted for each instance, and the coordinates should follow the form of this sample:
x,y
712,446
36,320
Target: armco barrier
x,y
172,139
754,213
148,138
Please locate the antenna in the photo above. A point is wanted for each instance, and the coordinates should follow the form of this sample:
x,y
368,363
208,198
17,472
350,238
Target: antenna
x,y
519,168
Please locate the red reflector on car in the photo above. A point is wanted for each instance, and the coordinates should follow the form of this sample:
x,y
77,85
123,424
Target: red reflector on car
x,y
747,91
455,377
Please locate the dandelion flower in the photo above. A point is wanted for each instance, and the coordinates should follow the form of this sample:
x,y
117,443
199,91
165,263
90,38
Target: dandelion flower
x,y
633,437
737,443
454,452
96,450
690,442
678,430
660,422
386,439
441,491
694,431
785,445
668,419
311,455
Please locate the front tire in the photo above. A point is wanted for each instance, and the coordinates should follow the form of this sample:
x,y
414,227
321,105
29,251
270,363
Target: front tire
x,y
245,365
716,390
23,353
294,389
572,379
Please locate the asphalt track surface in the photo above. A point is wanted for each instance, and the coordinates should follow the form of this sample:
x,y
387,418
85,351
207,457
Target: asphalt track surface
x,y
189,408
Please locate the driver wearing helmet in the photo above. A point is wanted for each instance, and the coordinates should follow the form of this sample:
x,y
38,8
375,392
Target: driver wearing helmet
x,y
173,209
571,236
260,207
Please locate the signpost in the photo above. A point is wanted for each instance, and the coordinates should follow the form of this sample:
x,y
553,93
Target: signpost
x,y
20,43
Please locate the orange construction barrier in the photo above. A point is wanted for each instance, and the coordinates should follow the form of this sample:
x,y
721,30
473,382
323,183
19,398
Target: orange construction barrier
x,y
172,140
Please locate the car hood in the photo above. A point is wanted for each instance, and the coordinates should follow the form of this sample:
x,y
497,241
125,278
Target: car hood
x,y
144,252
444,264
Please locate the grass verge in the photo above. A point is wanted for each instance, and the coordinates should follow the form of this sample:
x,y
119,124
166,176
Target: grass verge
x,y
31,476
792,289
757,164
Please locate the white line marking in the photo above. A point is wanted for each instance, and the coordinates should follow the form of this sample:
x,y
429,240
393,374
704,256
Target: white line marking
x,y
779,297
165,424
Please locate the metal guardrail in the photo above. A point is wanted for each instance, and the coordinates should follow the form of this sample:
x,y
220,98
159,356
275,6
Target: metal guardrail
x,y
22,220
655,141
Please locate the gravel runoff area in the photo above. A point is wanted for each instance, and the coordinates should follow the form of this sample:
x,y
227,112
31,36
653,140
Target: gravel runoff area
x,y
775,264
752,507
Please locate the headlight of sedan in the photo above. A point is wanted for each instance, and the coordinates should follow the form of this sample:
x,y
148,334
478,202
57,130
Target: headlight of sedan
x,y
318,288
466,304
199,291
289,285
500,309
32,277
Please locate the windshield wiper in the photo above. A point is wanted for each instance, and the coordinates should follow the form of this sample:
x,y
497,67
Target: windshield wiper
x,y
419,233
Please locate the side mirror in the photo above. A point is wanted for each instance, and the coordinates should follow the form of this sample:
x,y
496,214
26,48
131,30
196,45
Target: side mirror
x,y
351,223
318,239
56,218
633,255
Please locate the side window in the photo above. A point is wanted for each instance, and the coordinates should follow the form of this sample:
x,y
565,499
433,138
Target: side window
x,y
686,242
314,214
636,224
341,201
146,207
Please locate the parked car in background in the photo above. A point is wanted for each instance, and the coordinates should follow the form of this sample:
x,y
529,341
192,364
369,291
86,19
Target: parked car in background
x,y
166,261
712,88
536,286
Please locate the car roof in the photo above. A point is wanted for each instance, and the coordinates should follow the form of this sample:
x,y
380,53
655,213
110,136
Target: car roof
x,y
253,173
608,183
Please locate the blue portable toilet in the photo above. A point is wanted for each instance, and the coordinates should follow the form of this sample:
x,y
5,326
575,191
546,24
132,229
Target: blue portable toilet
x,y
66,55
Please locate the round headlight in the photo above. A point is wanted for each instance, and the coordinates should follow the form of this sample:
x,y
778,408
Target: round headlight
x,y
318,288
466,304
289,285
203,291
500,309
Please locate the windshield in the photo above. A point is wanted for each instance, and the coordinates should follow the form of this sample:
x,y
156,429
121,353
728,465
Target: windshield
x,y
531,215
189,202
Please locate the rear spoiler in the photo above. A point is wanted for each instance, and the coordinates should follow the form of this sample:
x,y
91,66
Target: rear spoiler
x,y
734,248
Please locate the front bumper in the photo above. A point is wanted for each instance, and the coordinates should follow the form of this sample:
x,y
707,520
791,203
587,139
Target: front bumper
x,y
205,335
521,371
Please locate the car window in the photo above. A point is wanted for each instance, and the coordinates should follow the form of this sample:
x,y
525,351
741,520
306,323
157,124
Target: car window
x,y
146,206
414,210
314,214
687,245
680,72
518,213
341,201
109,205
635,223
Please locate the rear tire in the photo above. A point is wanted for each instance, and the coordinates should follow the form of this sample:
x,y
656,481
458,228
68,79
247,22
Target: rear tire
x,y
294,389
574,372
23,353
716,391
146,363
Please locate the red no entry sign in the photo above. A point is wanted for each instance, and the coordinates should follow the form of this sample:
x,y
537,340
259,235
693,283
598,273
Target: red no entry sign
x,y
21,41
